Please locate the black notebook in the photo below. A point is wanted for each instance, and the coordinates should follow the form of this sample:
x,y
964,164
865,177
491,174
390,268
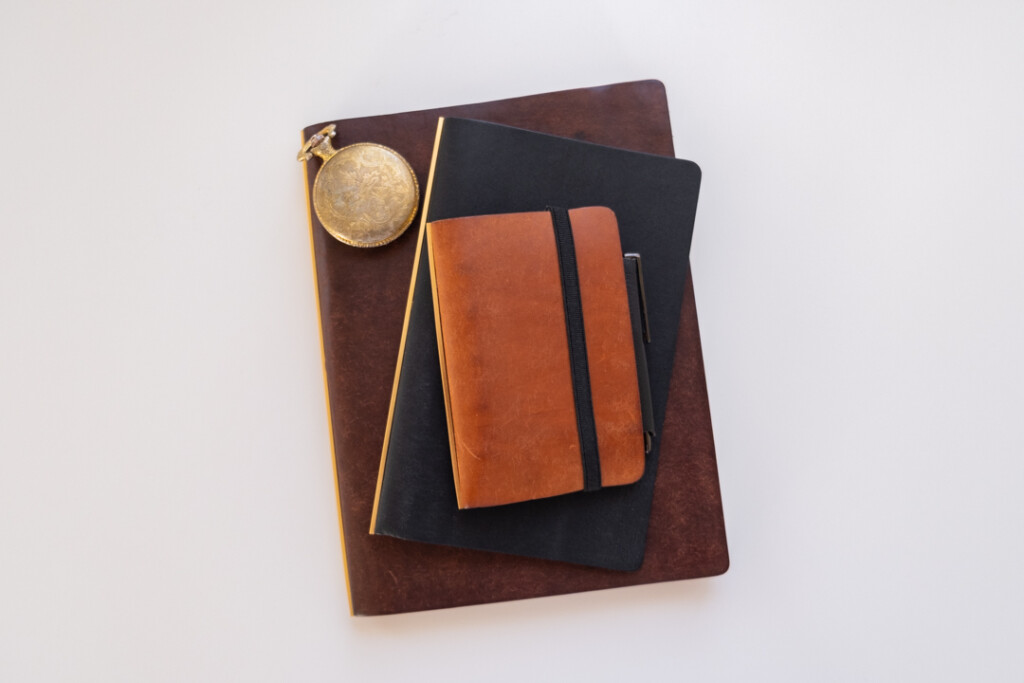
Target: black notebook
x,y
483,168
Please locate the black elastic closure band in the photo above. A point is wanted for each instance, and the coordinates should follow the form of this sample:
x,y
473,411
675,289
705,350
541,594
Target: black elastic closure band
x,y
573,305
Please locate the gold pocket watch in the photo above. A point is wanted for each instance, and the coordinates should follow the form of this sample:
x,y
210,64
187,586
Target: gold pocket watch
x,y
365,194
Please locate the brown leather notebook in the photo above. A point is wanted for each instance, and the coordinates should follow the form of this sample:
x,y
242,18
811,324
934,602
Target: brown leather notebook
x,y
362,295
537,354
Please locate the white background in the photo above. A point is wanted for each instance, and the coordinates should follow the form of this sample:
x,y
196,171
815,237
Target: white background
x,y
166,505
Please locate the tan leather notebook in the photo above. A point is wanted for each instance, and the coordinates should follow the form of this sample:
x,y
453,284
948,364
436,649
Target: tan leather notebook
x,y
538,356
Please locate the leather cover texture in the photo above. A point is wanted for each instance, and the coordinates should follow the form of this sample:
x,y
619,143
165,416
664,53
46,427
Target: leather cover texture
x,y
484,168
505,358
362,295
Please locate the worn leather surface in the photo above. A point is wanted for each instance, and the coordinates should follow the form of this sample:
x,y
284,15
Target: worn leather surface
x,y
362,296
502,327
612,358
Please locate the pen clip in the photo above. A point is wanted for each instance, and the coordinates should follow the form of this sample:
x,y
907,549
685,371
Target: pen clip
x,y
645,321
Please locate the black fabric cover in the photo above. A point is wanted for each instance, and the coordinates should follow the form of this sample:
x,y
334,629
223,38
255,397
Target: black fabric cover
x,y
485,168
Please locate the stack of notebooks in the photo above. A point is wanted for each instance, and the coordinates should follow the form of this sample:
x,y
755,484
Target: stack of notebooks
x,y
545,429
